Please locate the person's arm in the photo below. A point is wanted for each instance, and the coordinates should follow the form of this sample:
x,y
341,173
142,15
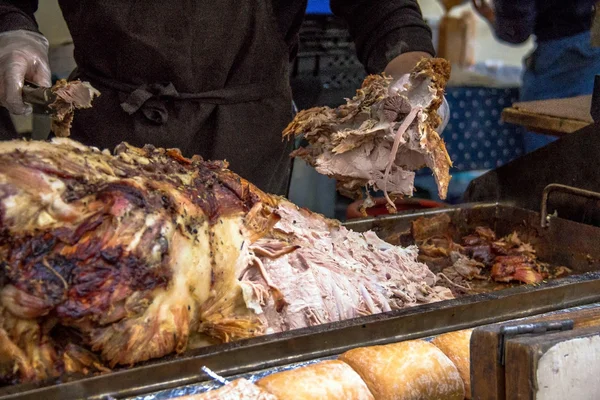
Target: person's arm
x,y
512,21
390,35
23,53
17,15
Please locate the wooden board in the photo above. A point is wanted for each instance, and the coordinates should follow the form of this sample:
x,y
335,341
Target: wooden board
x,y
541,123
488,380
554,366
553,117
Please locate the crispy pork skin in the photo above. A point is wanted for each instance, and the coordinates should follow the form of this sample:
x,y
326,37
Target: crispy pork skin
x,y
133,253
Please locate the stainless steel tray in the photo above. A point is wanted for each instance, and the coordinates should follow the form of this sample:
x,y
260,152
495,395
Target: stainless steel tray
x,y
562,242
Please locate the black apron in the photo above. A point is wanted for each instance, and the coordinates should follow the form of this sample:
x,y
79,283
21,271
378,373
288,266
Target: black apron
x,y
207,77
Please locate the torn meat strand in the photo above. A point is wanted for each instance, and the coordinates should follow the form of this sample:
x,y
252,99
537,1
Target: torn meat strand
x,y
398,138
70,96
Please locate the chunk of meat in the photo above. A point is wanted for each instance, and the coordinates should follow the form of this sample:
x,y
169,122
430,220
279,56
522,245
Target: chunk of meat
x,y
481,256
515,268
377,139
423,229
466,267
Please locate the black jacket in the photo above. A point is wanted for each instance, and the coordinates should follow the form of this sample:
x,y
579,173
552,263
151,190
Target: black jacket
x,y
517,20
382,29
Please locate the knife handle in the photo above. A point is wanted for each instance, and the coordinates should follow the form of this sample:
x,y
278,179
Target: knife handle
x,y
36,95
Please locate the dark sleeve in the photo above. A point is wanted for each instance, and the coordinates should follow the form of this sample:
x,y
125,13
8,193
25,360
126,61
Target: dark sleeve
x,y
384,29
18,14
515,20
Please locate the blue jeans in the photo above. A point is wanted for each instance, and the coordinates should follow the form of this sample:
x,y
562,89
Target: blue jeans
x,y
557,69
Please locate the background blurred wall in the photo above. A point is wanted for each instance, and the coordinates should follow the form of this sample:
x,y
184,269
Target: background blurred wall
x,y
51,22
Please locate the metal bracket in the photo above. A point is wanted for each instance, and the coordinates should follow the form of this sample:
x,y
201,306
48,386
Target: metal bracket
x,y
507,332
544,220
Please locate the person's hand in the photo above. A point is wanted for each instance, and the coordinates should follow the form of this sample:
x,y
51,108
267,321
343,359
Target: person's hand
x,y
485,8
23,56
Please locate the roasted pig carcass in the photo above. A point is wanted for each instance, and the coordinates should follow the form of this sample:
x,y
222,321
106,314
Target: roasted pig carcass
x,y
379,138
110,260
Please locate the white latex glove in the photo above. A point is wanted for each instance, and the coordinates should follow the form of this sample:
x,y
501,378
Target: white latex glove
x,y
443,111
23,56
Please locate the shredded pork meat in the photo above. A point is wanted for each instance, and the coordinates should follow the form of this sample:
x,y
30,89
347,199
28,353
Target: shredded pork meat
x,y
109,260
378,139
70,96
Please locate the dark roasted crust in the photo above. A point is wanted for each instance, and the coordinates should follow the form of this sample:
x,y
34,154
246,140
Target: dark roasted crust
x,y
438,69
80,271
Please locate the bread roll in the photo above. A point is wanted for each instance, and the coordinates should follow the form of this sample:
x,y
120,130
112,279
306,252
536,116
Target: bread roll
x,y
457,347
324,380
413,370
240,389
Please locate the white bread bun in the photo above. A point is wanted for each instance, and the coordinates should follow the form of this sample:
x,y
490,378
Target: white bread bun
x,y
457,347
324,380
412,370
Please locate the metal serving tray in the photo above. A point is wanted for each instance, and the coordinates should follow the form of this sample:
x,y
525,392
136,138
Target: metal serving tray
x,y
562,242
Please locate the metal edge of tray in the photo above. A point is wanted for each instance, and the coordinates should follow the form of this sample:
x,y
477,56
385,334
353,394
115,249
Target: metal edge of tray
x,y
409,214
325,340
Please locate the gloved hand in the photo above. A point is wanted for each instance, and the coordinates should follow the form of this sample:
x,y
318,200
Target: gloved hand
x,y
23,55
